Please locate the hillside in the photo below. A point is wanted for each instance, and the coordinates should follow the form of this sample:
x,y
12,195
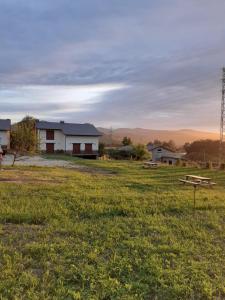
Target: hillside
x,y
140,135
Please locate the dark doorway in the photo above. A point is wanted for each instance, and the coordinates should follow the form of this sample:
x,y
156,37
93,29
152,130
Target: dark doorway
x,y
50,147
76,148
88,148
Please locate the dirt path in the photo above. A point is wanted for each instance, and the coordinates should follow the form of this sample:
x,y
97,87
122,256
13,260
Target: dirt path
x,y
39,161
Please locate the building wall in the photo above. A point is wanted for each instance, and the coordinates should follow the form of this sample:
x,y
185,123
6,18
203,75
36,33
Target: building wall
x,y
65,143
59,140
70,140
5,138
170,161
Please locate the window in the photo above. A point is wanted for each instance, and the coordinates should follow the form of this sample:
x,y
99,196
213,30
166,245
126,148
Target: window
x,y
50,135
159,150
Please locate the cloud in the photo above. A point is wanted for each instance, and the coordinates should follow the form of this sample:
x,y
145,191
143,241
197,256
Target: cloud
x,y
169,54
49,101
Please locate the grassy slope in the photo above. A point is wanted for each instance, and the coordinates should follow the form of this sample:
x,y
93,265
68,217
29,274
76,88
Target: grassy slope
x,y
134,235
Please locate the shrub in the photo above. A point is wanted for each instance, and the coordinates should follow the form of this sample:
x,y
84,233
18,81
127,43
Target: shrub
x,y
137,152
184,164
101,149
140,152
59,152
178,163
120,154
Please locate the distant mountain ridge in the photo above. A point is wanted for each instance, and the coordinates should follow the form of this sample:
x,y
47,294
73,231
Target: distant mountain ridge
x,y
141,135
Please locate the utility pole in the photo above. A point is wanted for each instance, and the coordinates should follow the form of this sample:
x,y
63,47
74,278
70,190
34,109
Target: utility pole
x,y
111,135
222,120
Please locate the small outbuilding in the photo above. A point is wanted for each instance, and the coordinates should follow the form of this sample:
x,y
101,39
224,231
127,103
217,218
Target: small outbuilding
x,y
164,155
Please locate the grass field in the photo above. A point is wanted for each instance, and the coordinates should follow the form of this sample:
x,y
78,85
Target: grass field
x,y
128,233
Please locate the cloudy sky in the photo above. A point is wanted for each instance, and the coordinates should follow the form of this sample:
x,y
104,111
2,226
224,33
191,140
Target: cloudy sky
x,y
120,63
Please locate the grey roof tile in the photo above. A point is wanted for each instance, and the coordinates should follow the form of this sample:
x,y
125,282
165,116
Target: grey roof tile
x,y
5,124
70,128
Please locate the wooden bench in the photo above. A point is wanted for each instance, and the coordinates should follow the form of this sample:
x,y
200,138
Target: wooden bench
x,y
189,182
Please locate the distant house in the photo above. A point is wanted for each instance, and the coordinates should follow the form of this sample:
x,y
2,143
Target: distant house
x,y
5,127
164,155
76,139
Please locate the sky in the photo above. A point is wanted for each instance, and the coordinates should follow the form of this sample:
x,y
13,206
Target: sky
x,y
115,63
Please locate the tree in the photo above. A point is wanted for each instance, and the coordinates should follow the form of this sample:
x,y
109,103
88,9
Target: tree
x,y
126,141
157,143
23,137
169,144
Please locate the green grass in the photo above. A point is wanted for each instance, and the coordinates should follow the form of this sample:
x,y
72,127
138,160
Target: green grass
x,y
66,234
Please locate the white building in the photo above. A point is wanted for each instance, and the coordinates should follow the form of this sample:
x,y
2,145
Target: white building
x,y
5,127
76,139
164,155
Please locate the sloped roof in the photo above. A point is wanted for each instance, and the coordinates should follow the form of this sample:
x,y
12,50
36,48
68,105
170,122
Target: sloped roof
x,y
70,128
170,153
5,124
165,148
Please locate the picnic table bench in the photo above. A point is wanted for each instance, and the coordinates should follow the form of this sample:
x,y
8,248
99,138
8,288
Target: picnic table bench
x,y
196,181
150,164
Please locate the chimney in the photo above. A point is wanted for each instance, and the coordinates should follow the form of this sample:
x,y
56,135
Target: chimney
x,y
62,122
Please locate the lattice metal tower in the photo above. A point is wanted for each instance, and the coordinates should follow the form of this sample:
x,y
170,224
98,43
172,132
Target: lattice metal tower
x,y
222,120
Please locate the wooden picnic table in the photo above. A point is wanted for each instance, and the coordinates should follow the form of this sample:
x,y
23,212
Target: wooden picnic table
x,y
199,179
150,164
196,181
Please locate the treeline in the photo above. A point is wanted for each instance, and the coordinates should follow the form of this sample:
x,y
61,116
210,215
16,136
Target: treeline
x,y
204,150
